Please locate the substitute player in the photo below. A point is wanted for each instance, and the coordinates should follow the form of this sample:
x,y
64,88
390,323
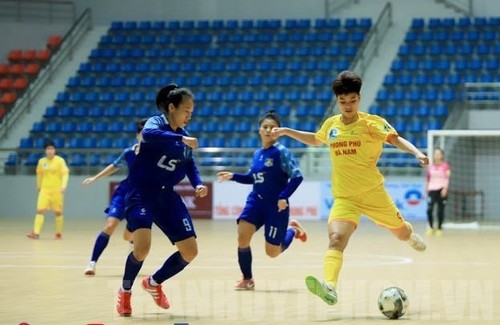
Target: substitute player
x,y
115,211
275,175
355,140
165,158
52,176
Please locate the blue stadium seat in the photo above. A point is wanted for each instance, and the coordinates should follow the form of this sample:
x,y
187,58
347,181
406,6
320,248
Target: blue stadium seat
x,y
89,143
68,127
121,142
423,111
210,126
105,142
250,142
111,111
26,143
243,126
53,127
11,160
93,159
75,143
38,127
39,142
434,125
59,142
32,159
115,127
217,142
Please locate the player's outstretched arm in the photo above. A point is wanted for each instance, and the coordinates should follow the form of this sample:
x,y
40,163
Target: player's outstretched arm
x,y
406,146
308,138
224,176
108,170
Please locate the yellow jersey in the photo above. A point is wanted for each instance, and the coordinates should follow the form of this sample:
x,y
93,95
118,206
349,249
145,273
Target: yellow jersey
x,y
52,174
355,150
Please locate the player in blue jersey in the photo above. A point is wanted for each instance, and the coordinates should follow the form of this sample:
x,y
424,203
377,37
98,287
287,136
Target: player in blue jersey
x,y
275,175
165,159
115,211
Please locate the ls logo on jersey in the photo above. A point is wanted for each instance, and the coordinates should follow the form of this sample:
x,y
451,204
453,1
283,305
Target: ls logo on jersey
x,y
387,127
169,165
269,162
332,134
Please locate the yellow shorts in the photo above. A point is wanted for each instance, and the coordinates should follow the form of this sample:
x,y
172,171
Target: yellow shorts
x,y
375,204
52,199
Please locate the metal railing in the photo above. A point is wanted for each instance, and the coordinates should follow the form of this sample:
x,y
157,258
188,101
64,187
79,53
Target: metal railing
x,y
465,7
37,10
70,41
314,161
332,6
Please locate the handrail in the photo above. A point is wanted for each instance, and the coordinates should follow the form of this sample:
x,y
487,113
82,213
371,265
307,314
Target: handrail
x,y
463,6
315,161
20,9
70,41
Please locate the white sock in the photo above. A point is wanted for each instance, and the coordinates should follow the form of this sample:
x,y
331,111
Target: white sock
x,y
152,282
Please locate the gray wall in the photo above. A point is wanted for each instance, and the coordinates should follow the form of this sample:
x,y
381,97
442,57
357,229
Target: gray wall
x,y
104,11
25,35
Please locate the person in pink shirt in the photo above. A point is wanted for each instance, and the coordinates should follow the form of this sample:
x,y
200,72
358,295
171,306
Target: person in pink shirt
x,y
438,177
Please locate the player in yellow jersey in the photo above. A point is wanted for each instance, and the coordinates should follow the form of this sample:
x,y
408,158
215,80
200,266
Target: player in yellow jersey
x,y
355,140
52,175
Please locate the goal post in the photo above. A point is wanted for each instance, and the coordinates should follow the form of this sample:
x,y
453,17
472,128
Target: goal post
x,y
474,158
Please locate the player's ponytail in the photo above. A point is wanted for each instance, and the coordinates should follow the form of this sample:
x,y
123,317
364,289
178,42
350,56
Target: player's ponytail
x,y
271,114
171,94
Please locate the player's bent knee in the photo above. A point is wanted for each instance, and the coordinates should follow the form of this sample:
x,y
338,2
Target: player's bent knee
x,y
189,254
338,241
273,251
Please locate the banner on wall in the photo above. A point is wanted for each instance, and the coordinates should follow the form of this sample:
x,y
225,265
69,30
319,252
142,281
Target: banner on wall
x,y
197,207
408,196
230,197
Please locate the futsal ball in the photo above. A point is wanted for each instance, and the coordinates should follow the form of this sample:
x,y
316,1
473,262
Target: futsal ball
x,y
393,302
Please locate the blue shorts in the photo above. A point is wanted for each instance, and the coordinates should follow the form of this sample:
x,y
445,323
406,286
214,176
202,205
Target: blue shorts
x,y
116,208
163,207
260,212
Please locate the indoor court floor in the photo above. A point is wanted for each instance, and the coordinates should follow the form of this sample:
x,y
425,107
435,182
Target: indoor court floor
x,y
456,281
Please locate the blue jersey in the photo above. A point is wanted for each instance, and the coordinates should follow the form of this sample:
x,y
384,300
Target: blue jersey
x,y
164,160
127,157
274,173
117,204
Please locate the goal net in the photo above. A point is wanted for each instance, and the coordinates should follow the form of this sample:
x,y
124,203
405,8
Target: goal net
x,y
474,158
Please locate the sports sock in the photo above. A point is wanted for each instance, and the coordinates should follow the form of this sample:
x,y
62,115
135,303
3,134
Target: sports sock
x,y
333,264
132,268
290,234
100,244
59,224
37,228
173,265
245,261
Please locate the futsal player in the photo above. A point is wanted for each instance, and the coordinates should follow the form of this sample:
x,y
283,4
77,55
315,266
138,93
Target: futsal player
x,y
52,176
355,140
165,158
115,211
275,175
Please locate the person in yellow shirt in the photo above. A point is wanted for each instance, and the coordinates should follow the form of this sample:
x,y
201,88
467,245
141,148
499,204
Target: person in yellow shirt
x,y
356,141
52,175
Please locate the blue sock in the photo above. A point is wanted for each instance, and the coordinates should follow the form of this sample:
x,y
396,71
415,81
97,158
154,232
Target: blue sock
x,y
173,265
100,244
290,234
245,261
132,268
